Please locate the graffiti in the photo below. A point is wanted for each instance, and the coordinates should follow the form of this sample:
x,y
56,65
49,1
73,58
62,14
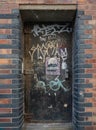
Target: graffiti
x,y
41,52
64,57
52,66
41,84
54,85
49,50
43,39
64,54
51,54
49,30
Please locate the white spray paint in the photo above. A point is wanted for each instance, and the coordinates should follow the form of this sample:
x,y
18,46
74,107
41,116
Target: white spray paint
x,y
64,57
44,31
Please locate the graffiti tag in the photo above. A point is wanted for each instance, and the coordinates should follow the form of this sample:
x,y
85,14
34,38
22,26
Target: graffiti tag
x,y
54,85
48,50
44,31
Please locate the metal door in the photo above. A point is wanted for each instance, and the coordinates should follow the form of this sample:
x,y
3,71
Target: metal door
x,y
48,72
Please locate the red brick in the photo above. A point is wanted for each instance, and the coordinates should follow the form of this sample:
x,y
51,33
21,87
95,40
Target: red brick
x,y
32,2
3,120
5,101
94,113
94,127
64,1
5,71
5,81
92,70
92,6
5,110
8,7
90,61
94,46
94,105
90,80
5,61
88,90
93,22
50,1
19,1
94,76
83,7
90,12
5,41
93,17
87,41
87,81
94,100
88,32
86,22
5,51
88,119
94,55
94,32
90,51
92,1
90,109
5,21
5,91
89,128
89,100
81,1
5,31
3,11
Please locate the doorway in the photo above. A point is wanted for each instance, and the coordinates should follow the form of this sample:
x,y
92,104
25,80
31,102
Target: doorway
x,y
48,72
48,65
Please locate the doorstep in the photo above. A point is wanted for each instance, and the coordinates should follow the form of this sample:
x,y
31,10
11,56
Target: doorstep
x,y
47,126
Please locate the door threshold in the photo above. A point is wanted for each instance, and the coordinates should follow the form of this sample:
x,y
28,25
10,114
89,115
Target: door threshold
x,y
47,126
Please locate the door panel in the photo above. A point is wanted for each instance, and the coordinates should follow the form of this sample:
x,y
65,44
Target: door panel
x,y
48,72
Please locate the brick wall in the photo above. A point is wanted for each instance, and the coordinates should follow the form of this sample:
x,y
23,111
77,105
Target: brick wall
x,y
84,64
11,90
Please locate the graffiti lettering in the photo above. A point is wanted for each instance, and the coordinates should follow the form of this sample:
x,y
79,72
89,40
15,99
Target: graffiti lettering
x,y
54,85
49,30
41,52
47,50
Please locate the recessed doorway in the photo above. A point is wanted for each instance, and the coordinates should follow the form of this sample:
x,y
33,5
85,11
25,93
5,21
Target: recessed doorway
x,y
48,65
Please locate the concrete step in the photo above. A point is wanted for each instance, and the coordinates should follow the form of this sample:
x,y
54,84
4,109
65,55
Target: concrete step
x,y
47,126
